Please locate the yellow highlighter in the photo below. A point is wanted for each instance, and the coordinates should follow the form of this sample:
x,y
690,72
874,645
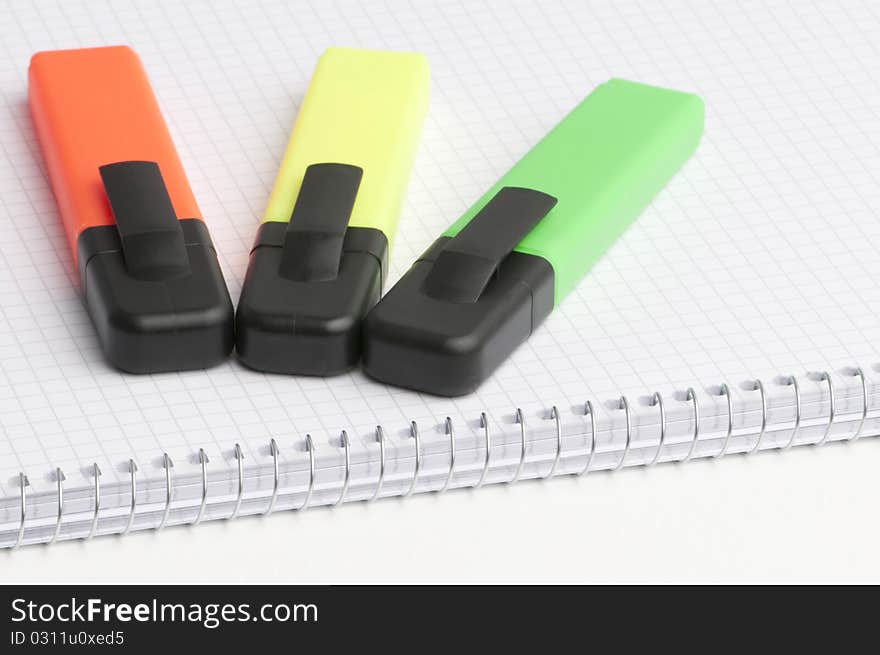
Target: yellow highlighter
x,y
321,254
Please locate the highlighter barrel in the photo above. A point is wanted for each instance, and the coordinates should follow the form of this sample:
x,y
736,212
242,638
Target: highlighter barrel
x,y
490,280
147,267
320,257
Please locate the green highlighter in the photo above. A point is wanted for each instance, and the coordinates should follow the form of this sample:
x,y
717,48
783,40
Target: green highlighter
x,y
487,283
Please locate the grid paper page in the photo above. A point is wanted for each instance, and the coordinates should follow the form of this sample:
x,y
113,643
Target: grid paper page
x,y
759,258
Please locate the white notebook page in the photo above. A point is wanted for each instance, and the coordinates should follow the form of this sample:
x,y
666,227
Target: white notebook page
x,y
758,260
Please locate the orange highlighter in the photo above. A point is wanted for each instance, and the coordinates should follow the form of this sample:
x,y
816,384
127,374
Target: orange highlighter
x,y
148,269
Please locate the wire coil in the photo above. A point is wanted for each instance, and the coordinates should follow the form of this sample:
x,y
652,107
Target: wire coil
x,y
482,448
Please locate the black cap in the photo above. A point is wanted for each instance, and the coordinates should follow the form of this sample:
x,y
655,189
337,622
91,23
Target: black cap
x,y
152,283
311,281
465,304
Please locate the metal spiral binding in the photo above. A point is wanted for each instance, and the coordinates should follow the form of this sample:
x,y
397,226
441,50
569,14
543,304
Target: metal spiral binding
x,y
725,391
346,445
414,433
589,411
692,396
380,439
484,423
623,404
96,471
167,464
451,472
759,386
793,383
273,450
310,447
59,478
859,373
203,460
589,452
827,378
132,470
657,400
554,414
239,458
520,420
23,484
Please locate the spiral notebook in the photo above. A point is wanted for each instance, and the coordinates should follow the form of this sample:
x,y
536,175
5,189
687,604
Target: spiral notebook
x,y
738,315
